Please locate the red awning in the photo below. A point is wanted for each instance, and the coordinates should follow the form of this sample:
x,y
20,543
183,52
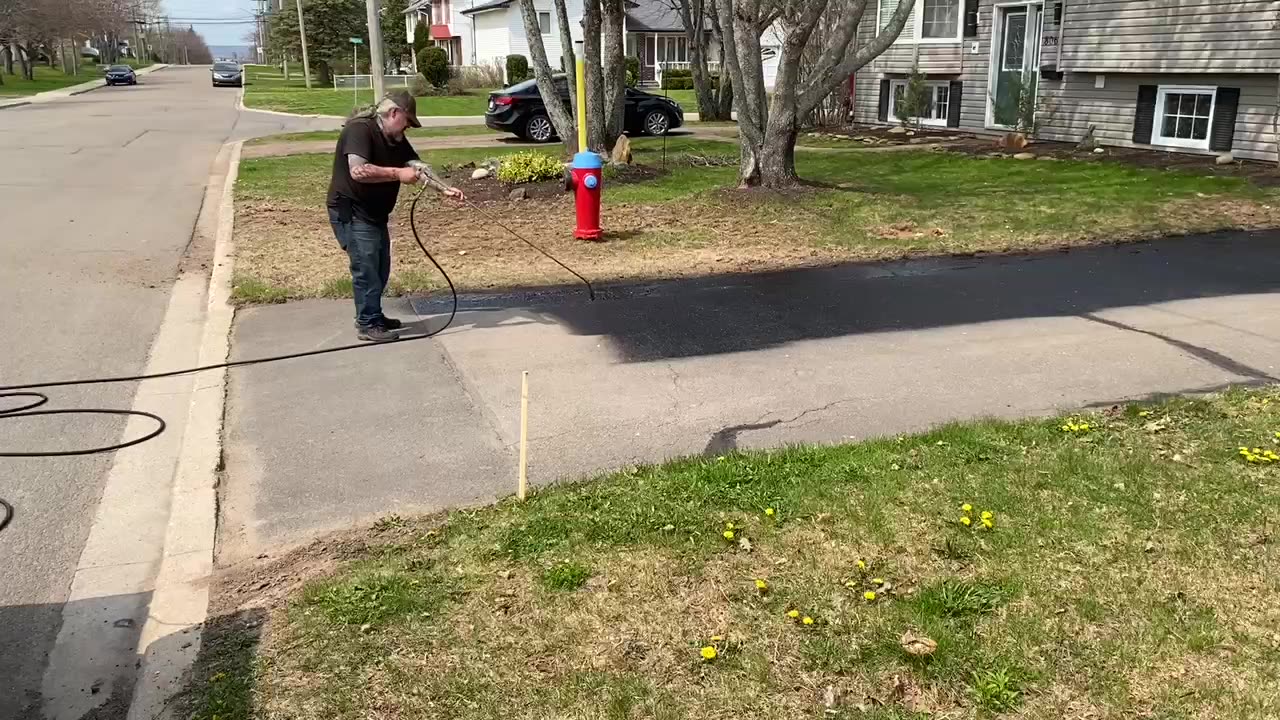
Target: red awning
x,y
440,32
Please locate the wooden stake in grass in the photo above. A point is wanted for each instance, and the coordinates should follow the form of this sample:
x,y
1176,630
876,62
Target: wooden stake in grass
x,y
523,487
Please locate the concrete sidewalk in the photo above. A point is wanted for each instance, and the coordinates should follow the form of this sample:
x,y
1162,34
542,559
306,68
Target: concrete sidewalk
x,y
69,91
704,366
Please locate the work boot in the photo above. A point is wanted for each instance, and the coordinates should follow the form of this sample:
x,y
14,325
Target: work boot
x,y
387,323
376,333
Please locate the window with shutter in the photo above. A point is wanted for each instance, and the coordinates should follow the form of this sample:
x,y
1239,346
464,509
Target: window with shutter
x,y
1182,116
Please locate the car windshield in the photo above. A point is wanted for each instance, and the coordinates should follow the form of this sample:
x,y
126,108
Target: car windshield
x,y
226,67
532,84
119,68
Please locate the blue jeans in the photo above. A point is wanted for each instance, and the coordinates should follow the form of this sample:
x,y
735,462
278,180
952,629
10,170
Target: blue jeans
x,y
369,248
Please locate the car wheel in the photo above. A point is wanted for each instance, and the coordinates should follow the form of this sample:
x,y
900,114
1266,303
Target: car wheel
x,y
657,123
539,129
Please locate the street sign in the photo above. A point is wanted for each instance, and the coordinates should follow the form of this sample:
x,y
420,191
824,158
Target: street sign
x,y
357,41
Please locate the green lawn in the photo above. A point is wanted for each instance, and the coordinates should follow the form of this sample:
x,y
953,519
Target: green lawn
x,y
1129,570
266,89
48,78
687,221
332,135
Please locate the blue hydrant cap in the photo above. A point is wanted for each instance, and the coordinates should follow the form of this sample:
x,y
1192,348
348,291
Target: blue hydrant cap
x,y
591,182
587,161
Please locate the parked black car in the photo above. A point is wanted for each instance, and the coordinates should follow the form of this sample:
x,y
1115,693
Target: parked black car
x,y
227,73
519,109
121,75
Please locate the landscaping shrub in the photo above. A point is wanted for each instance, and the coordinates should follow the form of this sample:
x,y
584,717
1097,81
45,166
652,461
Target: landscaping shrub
x,y
433,63
633,71
530,166
669,83
517,69
421,37
419,86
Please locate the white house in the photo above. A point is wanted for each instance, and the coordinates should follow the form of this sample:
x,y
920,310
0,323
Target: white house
x,y
478,32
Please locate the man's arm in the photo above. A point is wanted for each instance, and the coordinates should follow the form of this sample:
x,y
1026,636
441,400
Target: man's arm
x,y
363,171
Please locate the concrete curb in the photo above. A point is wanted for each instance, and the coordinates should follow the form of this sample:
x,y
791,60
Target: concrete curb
x,y
171,637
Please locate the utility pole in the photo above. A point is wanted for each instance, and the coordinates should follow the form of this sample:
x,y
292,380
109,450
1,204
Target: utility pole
x,y
374,10
302,30
284,52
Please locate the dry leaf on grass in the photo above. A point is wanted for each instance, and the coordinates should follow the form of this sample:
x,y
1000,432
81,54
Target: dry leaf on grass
x,y
917,645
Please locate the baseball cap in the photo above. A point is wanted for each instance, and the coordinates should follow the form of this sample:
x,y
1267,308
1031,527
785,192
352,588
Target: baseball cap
x,y
405,101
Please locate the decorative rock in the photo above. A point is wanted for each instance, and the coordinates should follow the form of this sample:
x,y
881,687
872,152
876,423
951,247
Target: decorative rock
x,y
1024,156
1098,151
1224,159
897,130
519,194
621,152
480,174
1045,157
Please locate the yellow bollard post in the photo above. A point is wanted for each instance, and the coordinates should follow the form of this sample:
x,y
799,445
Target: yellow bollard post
x,y
582,100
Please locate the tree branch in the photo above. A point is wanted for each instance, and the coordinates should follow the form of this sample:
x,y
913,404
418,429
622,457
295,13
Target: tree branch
x,y
823,84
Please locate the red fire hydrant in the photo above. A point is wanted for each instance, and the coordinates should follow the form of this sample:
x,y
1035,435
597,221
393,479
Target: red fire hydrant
x,y
587,182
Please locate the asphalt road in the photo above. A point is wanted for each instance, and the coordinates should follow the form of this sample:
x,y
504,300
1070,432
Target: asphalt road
x,y
99,196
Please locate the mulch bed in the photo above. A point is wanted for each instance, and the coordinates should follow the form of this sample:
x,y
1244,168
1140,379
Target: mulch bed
x,y
1259,173
869,135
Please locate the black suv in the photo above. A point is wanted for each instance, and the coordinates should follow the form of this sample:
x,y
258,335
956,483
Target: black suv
x,y
519,109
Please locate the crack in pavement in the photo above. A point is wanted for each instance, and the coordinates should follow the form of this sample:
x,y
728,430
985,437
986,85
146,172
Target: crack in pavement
x,y
1212,357
725,440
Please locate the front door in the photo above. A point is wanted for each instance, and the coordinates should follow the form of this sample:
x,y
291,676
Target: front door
x,y
1016,63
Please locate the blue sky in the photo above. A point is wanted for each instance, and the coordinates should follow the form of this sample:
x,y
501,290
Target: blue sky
x,y
214,33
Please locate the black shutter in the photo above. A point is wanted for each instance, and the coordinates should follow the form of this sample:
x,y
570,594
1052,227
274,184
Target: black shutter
x,y
1145,119
1222,129
1057,13
884,100
953,103
971,18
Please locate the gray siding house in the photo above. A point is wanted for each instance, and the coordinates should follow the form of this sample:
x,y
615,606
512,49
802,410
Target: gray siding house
x,y
1200,76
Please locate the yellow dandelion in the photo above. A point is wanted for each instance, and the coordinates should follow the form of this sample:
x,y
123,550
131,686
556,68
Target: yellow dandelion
x,y
762,585
986,523
869,595
966,507
709,653
807,620
769,511
966,521
793,614
862,565
987,514
728,526
877,581
728,534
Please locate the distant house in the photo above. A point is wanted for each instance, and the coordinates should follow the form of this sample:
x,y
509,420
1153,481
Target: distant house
x,y
477,32
1195,76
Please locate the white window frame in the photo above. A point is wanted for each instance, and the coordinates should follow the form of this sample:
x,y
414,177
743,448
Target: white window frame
x,y
1159,140
912,33
549,21
933,85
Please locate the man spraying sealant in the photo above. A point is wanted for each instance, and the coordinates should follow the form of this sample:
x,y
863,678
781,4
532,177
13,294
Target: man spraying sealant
x,y
372,159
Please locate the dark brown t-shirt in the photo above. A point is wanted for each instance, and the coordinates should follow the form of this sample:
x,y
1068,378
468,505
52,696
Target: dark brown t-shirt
x,y
370,202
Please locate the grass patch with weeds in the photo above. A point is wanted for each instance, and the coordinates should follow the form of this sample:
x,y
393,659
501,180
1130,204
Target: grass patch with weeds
x,y
47,78
266,89
413,133
1130,571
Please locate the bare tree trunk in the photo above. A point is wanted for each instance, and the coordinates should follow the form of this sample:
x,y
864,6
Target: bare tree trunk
x,y
560,115
738,23
8,58
615,72
568,58
24,61
591,26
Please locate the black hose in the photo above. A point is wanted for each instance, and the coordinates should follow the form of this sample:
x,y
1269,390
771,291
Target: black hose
x,y
36,399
